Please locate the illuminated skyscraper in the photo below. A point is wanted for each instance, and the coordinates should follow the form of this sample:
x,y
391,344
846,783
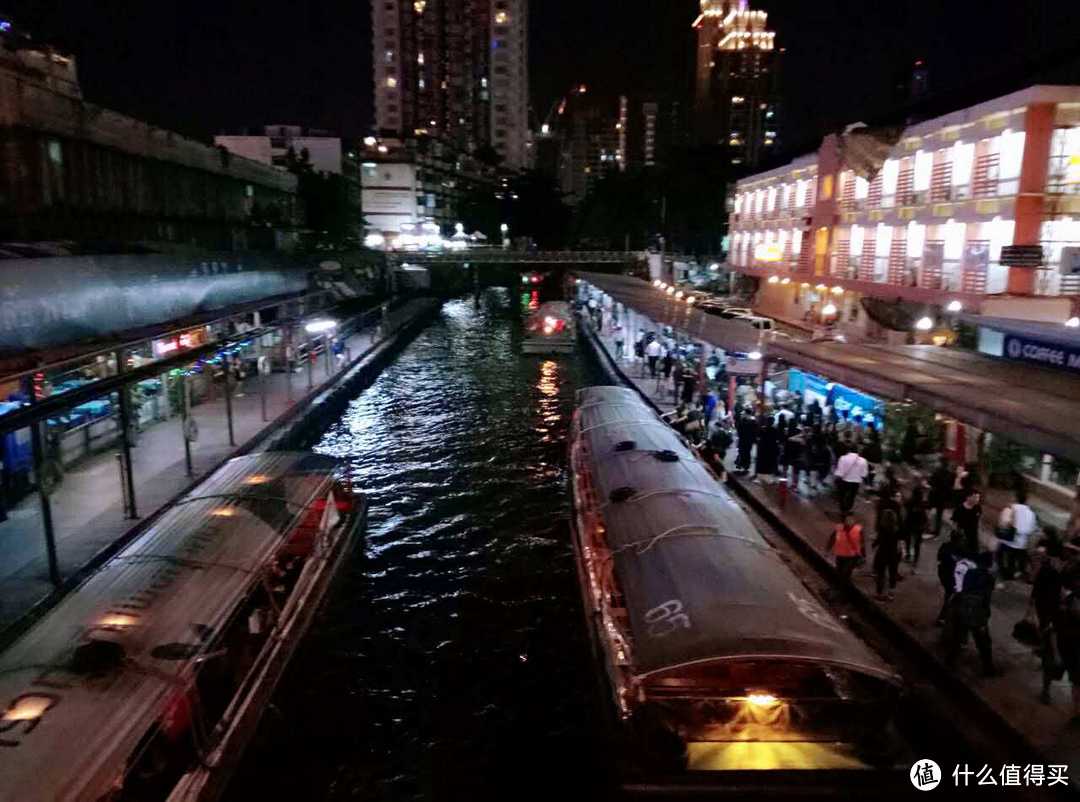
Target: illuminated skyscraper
x,y
738,66
454,69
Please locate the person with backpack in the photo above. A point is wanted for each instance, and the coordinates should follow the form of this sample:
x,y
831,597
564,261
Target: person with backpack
x,y
969,611
846,545
1015,526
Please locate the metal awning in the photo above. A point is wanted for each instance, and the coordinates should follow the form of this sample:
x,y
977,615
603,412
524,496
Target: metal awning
x,y
1033,406
643,297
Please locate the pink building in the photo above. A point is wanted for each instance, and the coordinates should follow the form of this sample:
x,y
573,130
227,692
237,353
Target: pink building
x,y
929,228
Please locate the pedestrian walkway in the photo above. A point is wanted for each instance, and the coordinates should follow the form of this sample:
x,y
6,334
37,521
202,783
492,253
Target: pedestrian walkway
x,y
1014,695
87,505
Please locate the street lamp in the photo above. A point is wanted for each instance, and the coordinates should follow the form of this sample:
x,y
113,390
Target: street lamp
x,y
954,306
1073,323
924,324
829,310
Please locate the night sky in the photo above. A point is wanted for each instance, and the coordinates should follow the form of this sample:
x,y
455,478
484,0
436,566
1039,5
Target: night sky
x,y
206,67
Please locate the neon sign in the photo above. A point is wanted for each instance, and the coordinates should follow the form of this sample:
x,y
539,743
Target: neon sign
x,y
184,341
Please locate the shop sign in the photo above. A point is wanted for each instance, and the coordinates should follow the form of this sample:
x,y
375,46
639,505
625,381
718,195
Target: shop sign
x,y
743,367
174,344
1038,352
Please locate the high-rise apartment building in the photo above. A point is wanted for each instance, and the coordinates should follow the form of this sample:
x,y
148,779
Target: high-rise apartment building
x,y
736,95
456,70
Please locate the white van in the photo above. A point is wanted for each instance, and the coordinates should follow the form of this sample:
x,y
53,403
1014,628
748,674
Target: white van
x,y
759,323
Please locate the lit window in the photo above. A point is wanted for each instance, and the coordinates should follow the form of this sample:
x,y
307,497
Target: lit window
x,y
501,18
924,165
826,187
389,56
420,58
391,82
419,6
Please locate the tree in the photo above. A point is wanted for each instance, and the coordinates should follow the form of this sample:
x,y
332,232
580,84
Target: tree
x,y
530,204
682,201
535,209
330,209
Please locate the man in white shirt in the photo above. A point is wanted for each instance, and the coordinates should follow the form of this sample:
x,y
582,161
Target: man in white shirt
x,y
652,352
1015,527
851,470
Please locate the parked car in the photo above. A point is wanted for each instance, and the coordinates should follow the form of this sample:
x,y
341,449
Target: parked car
x,y
731,312
758,322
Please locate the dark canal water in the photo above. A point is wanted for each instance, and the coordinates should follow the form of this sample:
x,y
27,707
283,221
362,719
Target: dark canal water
x,y
453,662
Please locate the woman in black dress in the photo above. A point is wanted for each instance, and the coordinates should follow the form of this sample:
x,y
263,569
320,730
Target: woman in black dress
x,y
768,450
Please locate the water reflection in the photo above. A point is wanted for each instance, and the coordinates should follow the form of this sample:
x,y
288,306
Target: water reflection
x,y
453,662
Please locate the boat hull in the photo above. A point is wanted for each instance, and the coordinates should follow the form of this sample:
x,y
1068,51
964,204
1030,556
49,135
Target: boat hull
x,y
208,782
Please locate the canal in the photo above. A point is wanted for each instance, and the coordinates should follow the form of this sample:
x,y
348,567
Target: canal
x,y
452,662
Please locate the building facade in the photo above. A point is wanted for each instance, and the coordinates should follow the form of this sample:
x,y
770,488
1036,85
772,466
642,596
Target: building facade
x,y
591,131
456,70
272,146
934,227
736,101
73,170
408,184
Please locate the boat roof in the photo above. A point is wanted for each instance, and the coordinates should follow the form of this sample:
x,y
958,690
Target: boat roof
x,y
678,536
164,599
556,309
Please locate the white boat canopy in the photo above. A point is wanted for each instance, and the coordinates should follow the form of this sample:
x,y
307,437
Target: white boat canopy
x,y
75,712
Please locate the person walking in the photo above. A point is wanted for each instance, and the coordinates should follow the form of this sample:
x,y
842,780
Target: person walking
x,y
1067,626
948,556
676,379
970,613
966,518
652,354
746,429
667,363
872,453
846,545
768,447
796,450
851,470
719,442
689,385
620,341
1014,528
820,459
1046,593
708,406
941,484
916,518
887,546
